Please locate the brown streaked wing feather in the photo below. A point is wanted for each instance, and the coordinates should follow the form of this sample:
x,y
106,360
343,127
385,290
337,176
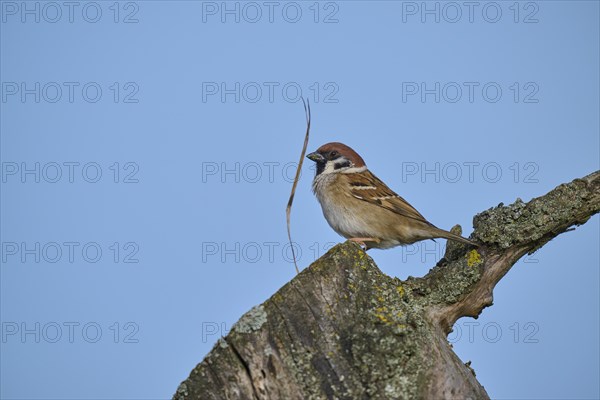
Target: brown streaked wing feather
x,y
367,187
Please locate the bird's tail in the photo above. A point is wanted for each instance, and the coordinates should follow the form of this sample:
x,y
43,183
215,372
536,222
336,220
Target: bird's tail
x,y
457,238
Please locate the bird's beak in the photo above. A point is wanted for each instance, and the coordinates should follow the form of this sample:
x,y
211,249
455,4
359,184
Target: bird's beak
x,y
316,157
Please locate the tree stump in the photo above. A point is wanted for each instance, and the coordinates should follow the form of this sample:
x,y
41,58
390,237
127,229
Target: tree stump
x,y
342,329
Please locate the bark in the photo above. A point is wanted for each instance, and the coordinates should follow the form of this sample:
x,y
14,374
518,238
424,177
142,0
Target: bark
x,y
342,329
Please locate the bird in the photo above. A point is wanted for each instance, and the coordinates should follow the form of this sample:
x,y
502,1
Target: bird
x,y
363,209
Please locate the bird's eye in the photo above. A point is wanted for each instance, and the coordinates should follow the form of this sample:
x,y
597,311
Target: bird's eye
x,y
333,154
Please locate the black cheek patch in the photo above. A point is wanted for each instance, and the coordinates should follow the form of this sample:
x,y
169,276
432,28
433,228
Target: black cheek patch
x,y
345,164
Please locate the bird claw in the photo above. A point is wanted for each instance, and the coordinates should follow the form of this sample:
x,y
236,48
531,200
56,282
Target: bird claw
x,y
361,242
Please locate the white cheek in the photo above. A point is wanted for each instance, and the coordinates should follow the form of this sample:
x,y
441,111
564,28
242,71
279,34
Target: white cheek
x,y
329,168
354,170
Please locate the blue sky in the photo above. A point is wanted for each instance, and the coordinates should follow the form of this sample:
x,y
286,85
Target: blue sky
x,y
148,147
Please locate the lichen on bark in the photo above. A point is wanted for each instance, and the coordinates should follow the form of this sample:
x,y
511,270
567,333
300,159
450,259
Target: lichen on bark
x,y
342,329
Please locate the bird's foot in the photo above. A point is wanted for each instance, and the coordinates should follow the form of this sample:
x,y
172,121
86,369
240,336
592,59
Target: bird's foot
x,y
361,241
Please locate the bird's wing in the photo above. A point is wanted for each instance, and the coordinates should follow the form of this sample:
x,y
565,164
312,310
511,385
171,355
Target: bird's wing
x,y
367,187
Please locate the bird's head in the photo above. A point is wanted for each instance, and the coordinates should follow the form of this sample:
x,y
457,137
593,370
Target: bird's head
x,y
335,157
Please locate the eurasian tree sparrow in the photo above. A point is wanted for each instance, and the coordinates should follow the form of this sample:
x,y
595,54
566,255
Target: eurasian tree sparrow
x,y
361,208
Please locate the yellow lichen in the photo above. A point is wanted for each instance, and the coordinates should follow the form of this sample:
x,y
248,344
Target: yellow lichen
x,y
473,258
400,290
382,318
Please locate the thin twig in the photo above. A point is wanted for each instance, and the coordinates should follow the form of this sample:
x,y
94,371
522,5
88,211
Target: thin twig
x,y
288,209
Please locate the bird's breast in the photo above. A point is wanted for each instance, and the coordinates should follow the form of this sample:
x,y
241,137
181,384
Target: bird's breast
x,y
339,208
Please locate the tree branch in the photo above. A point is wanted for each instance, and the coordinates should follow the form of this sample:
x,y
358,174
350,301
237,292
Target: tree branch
x,y
343,329
507,233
